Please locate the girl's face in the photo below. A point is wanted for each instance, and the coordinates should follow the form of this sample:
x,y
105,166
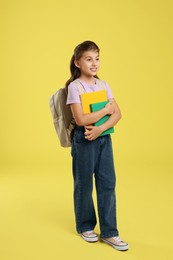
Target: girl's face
x,y
88,63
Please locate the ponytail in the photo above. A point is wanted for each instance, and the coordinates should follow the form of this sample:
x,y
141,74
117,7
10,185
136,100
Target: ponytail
x,y
75,72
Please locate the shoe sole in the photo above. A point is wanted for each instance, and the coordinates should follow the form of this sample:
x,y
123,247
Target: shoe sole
x,y
90,239
120,248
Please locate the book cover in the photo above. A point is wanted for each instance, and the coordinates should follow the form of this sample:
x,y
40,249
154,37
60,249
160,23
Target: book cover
x,y
97,106
92,97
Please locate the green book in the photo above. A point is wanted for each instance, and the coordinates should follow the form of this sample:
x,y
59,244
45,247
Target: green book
x,y
97,106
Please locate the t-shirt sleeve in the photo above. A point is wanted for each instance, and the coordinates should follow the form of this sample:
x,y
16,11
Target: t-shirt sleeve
x,y
109,91
73,96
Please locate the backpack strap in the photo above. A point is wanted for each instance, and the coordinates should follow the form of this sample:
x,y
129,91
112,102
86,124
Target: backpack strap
x,y
79,86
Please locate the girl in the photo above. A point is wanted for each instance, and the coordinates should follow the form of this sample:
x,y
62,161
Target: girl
x,y
91,153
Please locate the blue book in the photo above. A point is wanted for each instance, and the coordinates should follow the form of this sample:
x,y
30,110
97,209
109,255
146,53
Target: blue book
x,y
96,107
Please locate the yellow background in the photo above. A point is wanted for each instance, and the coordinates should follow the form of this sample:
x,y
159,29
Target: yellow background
x,y
36,186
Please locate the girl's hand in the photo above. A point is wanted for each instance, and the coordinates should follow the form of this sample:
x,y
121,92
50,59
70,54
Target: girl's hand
x,y
110,108
92,132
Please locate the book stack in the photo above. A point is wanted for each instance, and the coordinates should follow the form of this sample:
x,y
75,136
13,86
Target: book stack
x,y
94,101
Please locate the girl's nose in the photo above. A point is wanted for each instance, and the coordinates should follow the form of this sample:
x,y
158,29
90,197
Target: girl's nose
x,y
94,62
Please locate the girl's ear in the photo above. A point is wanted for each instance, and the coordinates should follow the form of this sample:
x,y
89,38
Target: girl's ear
x,y
76,63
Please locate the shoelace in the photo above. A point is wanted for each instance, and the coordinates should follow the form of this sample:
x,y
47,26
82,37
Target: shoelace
x,y
90,232
118,240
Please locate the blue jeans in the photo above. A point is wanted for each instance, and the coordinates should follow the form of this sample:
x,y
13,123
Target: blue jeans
x,y
94,157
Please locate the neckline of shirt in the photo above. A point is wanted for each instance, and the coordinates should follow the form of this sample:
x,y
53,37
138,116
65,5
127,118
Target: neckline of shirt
x,y
85,84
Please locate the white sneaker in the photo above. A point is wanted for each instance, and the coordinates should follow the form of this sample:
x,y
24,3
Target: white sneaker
x,y
89,236
117,243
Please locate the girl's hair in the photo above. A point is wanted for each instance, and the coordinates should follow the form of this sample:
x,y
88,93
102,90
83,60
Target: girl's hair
x,y
78,51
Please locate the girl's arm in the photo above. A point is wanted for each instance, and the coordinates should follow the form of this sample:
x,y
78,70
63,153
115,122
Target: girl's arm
x,y
114,118
95,131
82,119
